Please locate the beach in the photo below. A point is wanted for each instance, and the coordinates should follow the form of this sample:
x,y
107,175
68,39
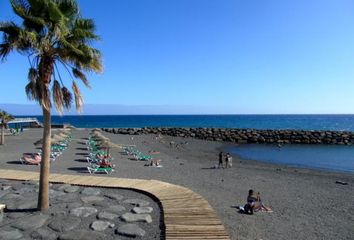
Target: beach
x,y
307,204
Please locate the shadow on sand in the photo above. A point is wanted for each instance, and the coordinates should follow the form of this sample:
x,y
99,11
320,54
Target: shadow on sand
x,y
209,168
78,169
81,154
80,160
27,210
14,162
83,149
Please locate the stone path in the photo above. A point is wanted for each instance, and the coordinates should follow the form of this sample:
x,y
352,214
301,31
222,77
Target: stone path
x,y
77,213
186,214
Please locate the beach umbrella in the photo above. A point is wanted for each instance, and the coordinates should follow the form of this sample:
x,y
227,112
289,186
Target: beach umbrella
x,y
54,139
107,145
99,135
100,140
94,131
65,131
61,134
57,139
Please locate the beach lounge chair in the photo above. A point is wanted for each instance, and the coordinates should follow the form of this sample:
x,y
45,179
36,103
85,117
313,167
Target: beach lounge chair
x,y
31,159
143,157
98,169
137,154
92,158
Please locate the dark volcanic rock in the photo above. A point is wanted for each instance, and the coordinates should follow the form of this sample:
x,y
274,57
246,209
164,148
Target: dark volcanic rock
x,y
249,135
130,230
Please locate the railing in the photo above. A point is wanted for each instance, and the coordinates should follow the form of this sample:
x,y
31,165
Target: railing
x,y
24,120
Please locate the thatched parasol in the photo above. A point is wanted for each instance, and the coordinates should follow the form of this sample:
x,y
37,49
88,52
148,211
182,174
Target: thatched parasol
x,y
66,131
107,145
99,136
61,134
58,137
54,139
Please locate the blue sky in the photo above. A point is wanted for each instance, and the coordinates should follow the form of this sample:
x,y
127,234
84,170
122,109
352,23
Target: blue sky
x,y
202,56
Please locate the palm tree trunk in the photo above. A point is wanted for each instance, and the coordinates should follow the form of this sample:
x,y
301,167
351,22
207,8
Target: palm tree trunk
x,y
2,135
43,196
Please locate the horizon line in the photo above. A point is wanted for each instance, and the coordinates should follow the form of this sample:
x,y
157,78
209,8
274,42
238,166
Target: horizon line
x,y
186,114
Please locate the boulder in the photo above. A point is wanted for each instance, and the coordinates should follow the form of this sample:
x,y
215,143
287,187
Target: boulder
x,y
131,217
64,223
31,222
101,225
137,202
130,230
83,211
140,210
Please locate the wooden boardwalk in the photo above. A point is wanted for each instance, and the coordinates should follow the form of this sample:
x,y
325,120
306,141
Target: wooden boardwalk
x,y
186,214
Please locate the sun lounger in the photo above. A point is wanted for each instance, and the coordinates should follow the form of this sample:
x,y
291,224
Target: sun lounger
x,y
31,159
98,169
97,160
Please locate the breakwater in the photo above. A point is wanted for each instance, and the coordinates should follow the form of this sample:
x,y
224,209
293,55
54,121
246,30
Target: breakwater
x,y
247,135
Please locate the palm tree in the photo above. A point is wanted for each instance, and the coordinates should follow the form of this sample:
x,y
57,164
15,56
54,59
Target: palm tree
x,y
5,118
54,37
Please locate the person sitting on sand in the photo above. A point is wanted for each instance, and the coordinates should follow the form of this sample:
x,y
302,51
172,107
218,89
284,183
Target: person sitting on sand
x,y
154,163
104,163
256,203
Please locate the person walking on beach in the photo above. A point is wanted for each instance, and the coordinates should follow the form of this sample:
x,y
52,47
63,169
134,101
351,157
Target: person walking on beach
x,y
221,164
228,160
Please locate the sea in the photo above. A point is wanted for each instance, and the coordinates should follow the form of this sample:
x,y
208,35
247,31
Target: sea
x,y
325,157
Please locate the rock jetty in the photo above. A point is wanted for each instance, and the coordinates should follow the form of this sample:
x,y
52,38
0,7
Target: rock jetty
x,y
247,135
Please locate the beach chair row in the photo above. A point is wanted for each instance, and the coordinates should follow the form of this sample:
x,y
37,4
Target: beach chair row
x,y
56,150
134,152
98,159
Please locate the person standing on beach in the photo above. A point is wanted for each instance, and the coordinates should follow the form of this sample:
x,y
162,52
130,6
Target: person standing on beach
x,y
228,160
221,164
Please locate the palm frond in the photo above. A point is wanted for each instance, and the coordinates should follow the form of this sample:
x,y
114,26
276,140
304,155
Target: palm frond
x,y
43,95
67,97
5,49
32,91
68,7
58,98
83,31
78,97
54,12
78,74
22,9
64,44
9,28
16,38
89,61
32,74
